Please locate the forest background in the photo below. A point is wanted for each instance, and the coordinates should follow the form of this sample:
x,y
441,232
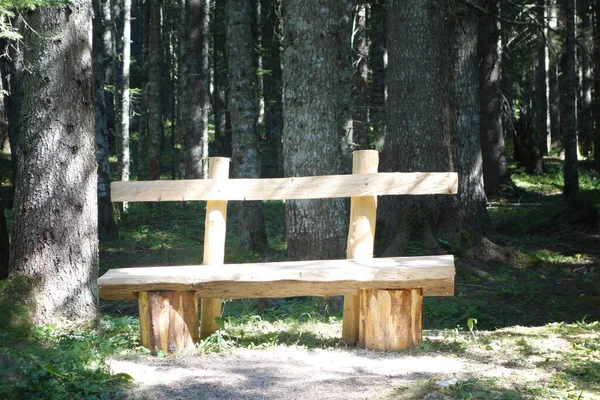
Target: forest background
x,y
503,92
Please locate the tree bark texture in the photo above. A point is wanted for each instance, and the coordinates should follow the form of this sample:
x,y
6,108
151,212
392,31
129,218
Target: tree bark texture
x,y
597,84
344,88
4,242
125,155
360,88
495,167
272,85
467,144
585,125
155,62
541,99
553,89
107,218
243,112
419,124
108,58
54,235
377,65
219,100
142,150
12,67
568,87
195,101
314,229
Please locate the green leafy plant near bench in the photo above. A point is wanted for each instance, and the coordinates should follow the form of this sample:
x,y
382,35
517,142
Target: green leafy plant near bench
x,y
58,363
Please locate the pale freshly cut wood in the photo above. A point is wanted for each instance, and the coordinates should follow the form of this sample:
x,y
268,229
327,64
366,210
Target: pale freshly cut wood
x,y
435,274
390,319
215,232
361,237
312,187
168,320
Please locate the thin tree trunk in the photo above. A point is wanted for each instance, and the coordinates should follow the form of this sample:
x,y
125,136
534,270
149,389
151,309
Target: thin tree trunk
x,y
155,61
541,100
12,67
586,120
109,58
272,83
195,102
597,83
344,89
107,218
4,243
554,91
495,167
125,96
222,124
377,64
54,233
361,85
569,105
243,111
314,229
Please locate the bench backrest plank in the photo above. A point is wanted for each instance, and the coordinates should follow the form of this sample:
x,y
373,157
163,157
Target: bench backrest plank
x,y
313,187
435,274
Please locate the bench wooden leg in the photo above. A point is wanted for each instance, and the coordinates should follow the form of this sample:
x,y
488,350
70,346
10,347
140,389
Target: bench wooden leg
x,y
168,320
390,319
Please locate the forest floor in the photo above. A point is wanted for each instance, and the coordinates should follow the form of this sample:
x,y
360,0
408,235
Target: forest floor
x,y
511,363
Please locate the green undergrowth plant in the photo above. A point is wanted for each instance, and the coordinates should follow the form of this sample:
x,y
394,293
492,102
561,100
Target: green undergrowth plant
x,y
53,362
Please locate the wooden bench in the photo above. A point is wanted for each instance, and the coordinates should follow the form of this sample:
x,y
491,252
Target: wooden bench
x,y
382,296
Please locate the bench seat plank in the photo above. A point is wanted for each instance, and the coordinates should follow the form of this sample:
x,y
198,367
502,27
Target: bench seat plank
x,y
435,274
311,187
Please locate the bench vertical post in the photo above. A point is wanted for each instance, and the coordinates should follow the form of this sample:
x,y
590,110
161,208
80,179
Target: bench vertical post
x,y
214,244
361,237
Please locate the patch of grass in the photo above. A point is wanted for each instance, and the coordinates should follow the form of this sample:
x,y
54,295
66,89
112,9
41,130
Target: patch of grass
x,y
304,321
54,362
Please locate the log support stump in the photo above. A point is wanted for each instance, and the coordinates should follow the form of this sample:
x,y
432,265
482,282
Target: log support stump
x,y
390,319
168,320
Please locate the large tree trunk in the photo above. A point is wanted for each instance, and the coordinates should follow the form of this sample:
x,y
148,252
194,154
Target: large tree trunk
x,y
107,219
155,61
495,167
419,125
314,229
243,111
54,235
469,163
195,101
568,80
541,99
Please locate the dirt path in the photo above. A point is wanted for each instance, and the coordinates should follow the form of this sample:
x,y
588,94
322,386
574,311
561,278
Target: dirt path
x,y
299,373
